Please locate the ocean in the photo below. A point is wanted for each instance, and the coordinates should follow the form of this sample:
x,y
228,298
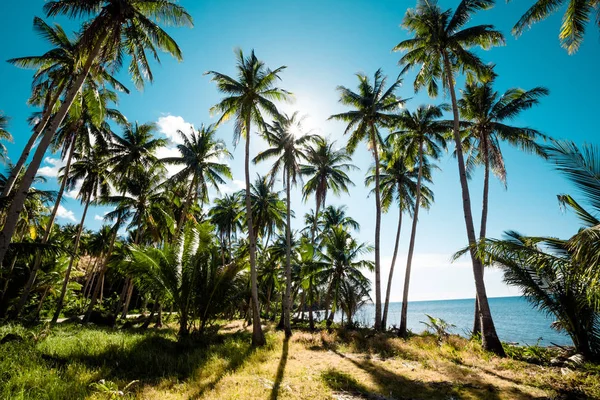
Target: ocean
x,y
515,319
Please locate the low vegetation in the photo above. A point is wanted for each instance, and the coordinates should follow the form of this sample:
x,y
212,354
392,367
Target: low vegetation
x,y
74,362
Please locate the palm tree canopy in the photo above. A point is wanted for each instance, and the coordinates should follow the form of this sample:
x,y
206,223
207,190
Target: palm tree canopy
x,y
374,107
251,95
326,169
4,135
126,27
200,154
440,36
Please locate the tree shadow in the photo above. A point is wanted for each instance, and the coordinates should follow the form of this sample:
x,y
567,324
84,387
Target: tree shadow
x,y
280,369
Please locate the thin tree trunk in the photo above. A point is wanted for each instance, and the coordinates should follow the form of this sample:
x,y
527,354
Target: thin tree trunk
x,y
12,215
258,337
159,323
186,207
311,319
61,299
39,128
389,283
377,233
41,303
483,227
100,283
288,267
146,323
38,258
490,339
127,299
411,247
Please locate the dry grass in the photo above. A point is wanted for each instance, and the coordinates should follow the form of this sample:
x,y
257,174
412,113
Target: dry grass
x,y
339,365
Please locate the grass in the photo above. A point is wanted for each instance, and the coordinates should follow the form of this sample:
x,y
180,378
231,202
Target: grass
x,y
74,362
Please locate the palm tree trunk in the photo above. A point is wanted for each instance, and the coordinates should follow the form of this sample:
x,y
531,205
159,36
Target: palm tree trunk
x,y
411,247
100,282
389,283
288,267
483,227
61,299
311,319
38,258
39,128
127,300
258,337
41,303
490,339
377,232
186,207
12,215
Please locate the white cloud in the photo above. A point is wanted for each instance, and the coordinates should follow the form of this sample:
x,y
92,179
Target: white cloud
x,y
51,170
169,151
98,218
234,186
72,194
169,126
65,214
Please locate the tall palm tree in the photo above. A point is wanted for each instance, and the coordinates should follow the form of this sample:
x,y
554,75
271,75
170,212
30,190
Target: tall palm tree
x,y
485,114
326,169
4,135
200,156
289,148
89,169
374,107
247,99
55,71
440,47
114,29
398,181
268,210
577,15
420,132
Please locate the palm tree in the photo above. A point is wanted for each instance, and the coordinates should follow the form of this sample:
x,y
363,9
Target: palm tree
x,y
333,216
374,108
341,253
440,46
200,155
326,169
422,131
268,210
115,29
247,98
4,135
572,31
289,148
55,71
90,170
226,216
484,114
398,181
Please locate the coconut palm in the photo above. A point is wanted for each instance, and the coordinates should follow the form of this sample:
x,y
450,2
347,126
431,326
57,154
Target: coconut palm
x,y
89,170
577,15
114,30
421,132
326,169
342,255
398,181
55,71
374,107
226,216
247,99
440,46
485,114
268,210
333,216
200,156
289,149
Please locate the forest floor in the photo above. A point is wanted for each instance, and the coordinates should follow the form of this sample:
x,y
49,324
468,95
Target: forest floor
x,y
75,362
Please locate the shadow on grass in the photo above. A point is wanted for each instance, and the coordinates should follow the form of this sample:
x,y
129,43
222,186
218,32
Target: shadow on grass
x,y
280,370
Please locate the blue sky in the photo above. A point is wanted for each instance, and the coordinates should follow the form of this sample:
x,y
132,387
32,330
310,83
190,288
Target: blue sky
x,y
323,44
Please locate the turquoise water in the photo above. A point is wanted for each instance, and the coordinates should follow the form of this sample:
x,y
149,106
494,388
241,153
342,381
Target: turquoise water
x,y
515,319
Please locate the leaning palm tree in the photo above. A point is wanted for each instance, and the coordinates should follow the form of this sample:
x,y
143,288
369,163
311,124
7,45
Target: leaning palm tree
x,y
56,69
398,181
326,169
421,132
247,99
90,170
114,29
289,149
485,115
440,47
374,107
200,154
577,15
